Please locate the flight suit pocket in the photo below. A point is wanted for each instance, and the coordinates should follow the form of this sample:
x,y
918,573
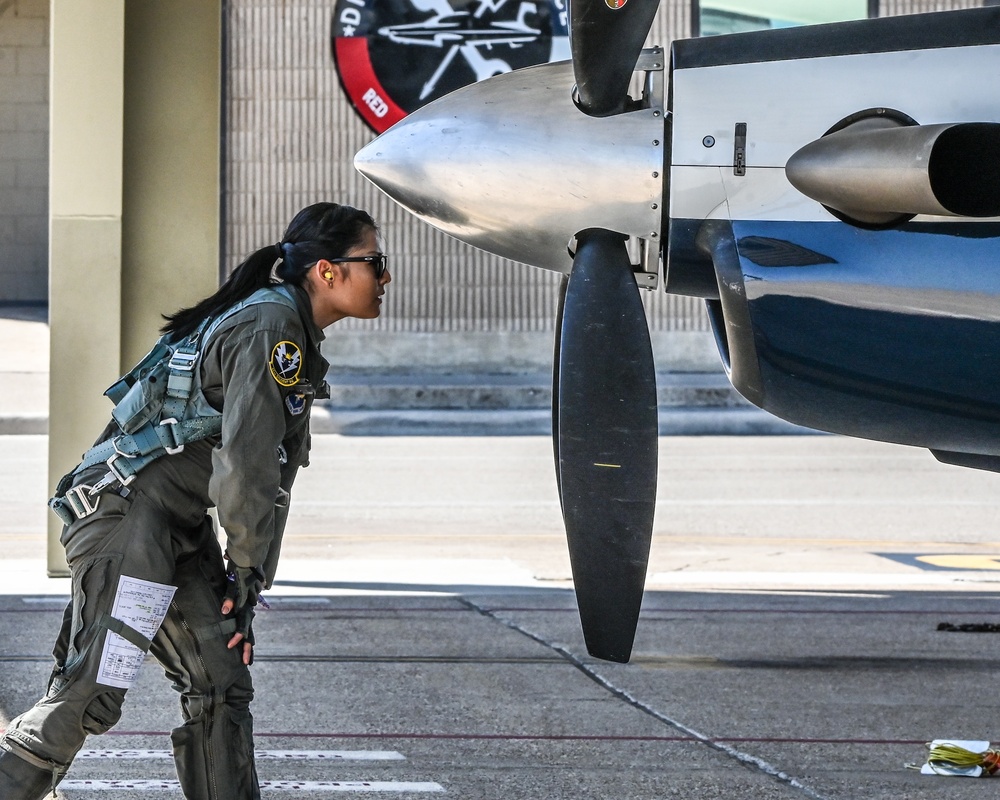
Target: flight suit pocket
x,y
94,584
103,712
86,535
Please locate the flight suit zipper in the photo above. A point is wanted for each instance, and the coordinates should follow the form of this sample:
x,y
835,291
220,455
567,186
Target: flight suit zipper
x,y
209,760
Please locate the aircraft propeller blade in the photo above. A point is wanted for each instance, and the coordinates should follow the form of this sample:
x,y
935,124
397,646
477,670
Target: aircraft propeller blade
x,y
606,438
606,37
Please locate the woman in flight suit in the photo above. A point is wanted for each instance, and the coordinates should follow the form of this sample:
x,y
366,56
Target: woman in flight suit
x,y
261,367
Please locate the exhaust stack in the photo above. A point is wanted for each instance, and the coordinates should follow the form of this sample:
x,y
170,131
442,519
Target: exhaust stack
x,y
875,172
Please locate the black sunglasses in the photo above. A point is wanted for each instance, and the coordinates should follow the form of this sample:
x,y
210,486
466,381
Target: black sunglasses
x,y
379,262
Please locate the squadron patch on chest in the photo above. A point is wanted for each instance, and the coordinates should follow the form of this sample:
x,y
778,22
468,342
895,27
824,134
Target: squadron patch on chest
x,y
286,363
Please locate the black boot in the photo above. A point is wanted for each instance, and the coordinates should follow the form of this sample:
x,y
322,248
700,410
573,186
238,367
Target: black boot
x,y
20,780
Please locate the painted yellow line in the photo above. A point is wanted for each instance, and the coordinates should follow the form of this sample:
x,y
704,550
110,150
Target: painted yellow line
x,y
962,561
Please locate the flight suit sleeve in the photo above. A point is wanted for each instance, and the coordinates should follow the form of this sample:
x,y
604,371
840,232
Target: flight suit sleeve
x,y
270,564
296,455
246,468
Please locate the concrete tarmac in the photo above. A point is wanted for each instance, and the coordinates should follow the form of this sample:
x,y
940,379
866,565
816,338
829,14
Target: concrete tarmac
x,y
423,637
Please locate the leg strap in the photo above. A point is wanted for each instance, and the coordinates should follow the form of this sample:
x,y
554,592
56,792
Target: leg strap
x,y
127,632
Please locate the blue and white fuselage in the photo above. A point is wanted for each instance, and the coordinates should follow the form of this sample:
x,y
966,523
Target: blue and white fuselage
x,y
886,329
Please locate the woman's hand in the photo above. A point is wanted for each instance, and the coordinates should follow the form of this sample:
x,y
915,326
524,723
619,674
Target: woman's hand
x,y
227,609
243,587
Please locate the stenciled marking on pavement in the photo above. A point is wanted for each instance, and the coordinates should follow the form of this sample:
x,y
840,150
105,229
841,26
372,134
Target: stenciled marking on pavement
x,y
274,786
298,756
259,755
744,758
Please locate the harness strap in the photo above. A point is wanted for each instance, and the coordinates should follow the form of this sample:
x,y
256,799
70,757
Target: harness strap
x,y
129,453
80,502
182,365
167,434
127,632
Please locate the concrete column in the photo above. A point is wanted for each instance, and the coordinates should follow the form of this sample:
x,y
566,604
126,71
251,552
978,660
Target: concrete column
x,y
85,218
134,197
171,234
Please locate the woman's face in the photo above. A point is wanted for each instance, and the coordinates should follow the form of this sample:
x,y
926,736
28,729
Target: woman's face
x,y
353,290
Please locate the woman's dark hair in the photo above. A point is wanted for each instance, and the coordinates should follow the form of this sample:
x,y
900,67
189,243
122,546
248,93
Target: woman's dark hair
x,y
323,230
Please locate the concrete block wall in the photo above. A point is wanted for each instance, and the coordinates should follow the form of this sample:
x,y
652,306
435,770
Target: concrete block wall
x,y
895,8
24,137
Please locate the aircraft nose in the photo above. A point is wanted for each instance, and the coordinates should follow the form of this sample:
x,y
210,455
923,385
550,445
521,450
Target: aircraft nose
x,y
512,166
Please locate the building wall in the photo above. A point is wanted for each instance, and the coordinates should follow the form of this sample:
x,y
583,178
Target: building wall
x,y
24,165
290,135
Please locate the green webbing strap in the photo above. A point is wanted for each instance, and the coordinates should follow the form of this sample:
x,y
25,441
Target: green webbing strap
x,y
183,363
127,632
150,440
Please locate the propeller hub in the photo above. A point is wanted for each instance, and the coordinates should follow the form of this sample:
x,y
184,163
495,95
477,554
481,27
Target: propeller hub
x,y
512,166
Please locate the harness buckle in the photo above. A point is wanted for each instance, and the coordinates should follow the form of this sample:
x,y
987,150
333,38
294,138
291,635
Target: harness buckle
x,y
81,502
172,451
182,362
122,479
281,501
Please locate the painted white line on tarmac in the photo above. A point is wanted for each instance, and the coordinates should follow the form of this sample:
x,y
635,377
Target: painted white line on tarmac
x,y
260,755
303,600
275,786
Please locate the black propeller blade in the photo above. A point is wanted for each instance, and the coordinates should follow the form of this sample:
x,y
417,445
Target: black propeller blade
x,y
606,37
606,437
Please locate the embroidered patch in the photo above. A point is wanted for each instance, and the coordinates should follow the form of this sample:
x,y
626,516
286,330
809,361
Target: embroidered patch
x,y
295,402
286,363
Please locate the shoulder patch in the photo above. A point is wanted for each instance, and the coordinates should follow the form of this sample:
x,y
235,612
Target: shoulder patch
x,y
286,363
295,402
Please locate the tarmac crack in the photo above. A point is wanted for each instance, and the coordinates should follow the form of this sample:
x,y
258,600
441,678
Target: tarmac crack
x,y
745,759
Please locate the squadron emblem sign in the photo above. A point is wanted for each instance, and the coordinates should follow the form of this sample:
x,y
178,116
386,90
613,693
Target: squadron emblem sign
x,y
394,56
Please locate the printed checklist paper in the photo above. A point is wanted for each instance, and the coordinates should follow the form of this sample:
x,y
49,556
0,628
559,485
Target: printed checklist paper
x,y
141,605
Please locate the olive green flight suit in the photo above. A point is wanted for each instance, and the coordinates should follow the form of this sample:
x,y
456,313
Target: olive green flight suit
x,y
261,368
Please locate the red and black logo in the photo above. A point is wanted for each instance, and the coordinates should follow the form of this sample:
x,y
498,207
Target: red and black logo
x,y
394,56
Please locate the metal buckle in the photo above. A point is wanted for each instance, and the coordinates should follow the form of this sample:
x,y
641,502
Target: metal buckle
x,y
172,451
122,479
183,362
79,500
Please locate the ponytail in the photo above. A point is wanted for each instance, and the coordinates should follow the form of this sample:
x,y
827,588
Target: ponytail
x,y
322,230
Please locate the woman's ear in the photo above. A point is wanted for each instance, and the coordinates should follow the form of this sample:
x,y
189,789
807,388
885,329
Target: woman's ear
x,y
325,271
